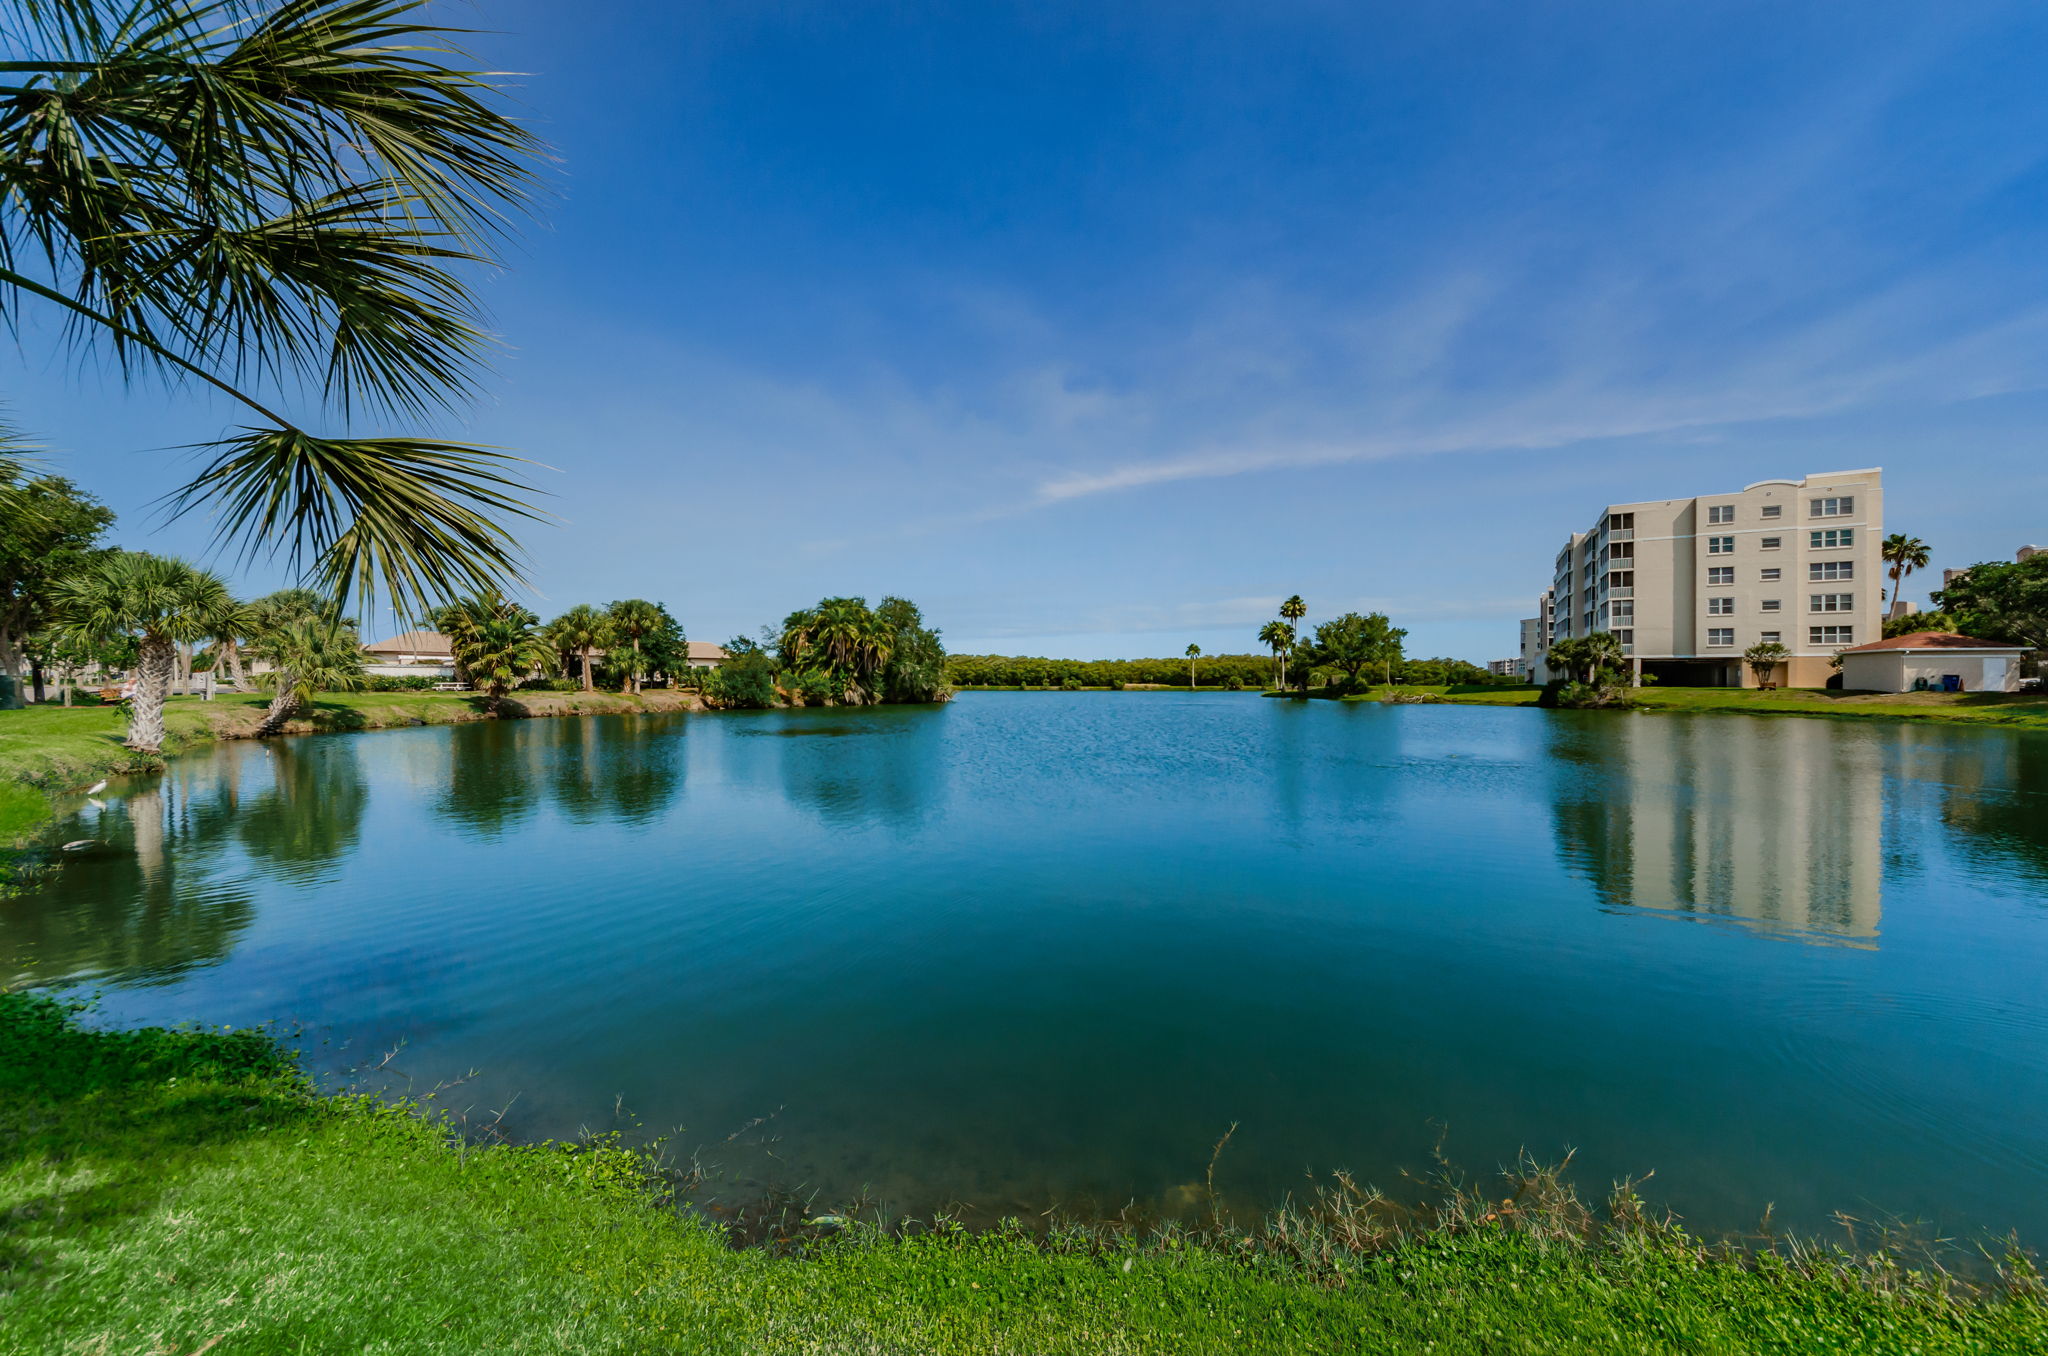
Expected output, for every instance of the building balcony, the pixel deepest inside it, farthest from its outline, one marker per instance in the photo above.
(1621, 591)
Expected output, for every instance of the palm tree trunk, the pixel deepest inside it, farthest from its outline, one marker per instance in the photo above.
(235, 675)
(588, 685)
(283, 706)
(633, 678)
(10, 660)
(153, 667)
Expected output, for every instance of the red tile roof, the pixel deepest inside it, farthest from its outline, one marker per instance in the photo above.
(1933, 640)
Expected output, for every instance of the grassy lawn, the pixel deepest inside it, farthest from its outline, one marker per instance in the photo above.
(185, 1191)
(2026, 710)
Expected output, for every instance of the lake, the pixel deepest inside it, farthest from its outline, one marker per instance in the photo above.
(1038, 948)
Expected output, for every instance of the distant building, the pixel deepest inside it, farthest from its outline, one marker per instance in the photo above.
(414, 654)
(1687, 585)
(705, 655)
(1536, 638)
(1505, 668)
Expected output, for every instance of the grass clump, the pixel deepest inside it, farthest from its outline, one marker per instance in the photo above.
(179, 1191)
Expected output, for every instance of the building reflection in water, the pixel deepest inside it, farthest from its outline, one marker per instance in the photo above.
(1776, 825)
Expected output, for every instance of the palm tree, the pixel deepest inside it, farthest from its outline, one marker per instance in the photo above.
(634, 620)
(1586, 657)
(846, 637)
(159, 601)
(1277, 636)
(495, 641)
(1194, 652)
(309, 655)
(1904, 554)
(296, 192)
(581, 633)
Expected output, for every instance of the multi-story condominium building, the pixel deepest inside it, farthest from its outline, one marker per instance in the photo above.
(1688, 585)
(1505, 668)
(1536, 638)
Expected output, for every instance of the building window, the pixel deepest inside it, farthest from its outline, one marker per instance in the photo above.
(1724, 546)
(1623, 611)
(1833, 538)
(1720, 574)
(1831, 569)
(1772, 637)
(1774, 510)
(1720, 635)
(1771, 575)
(1721, 513)
(1617, 522)
(1627, 638)
(1842, 507)
(1831, 635)
(1770, 543)
(1621, 550)
(1770, 604)
(1622, 579)
(1720, 607)
(1834, 602)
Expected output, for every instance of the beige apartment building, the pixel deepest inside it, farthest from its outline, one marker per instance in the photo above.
(1688, 585)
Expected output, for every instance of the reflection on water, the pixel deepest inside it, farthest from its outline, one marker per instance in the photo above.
(1046, 947)
(1771, 823)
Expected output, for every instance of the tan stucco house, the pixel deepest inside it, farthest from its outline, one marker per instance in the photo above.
(1940, 660)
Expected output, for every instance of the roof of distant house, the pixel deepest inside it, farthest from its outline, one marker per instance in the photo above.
(413, 642)
(704, 649)
(1931, 640)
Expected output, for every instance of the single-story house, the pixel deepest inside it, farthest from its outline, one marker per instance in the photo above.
(705, 655)
(422, 654)
(1939, 660)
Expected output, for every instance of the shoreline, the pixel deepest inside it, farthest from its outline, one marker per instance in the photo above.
(232, 1203)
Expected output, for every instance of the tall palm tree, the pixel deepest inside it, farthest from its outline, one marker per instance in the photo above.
(1194, 652)
(633, 621)
(157, 600)
(1277, 636)
(846, 638)
(495, 641)
(582, 632)
(1904, 554)
(284, 193)
(309, 655)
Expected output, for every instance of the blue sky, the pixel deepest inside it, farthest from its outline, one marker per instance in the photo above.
(1097, 330)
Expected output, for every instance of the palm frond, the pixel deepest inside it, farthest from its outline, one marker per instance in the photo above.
(416, 519)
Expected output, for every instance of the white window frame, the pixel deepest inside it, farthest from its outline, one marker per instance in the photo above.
(1771, 575)
(1720, 546)
(1774, 510)
(1770, 543)
(1718, 514)
(1829, 571)
(1718, 636)
(1720, 607)
(1771, 604)
(1832, 539)
(1720, 574)
(1833, 506)
(1831, 602)
(1818, 635)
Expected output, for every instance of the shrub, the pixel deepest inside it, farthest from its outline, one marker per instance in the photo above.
(551, 685)
(1070, 684)
(814, 688)
(393, 683)
(745, 681)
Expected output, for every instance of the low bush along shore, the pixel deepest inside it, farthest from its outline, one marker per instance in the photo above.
(188, 1191)
(1977, 708)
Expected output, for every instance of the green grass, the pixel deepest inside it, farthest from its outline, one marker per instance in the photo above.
(187, 1191)
(2026, 711)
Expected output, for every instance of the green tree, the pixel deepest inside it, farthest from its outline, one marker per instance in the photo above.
(1352, 641)
(159, 601)
(1193, 653)
(1904, 554)
(916, 668)
(1277, 636)
(299, 192)
(1918, 621)
(1764, 657)
(633, 625)
(745, 680)
(48, 529)
(581, 633)
(309, 655)
(496, 642)
(2001, 600)
(1594, 659)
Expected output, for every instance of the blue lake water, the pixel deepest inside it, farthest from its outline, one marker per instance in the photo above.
(1037, 948)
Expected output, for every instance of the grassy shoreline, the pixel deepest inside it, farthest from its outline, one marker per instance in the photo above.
(182, 1191)
(2025, 711)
